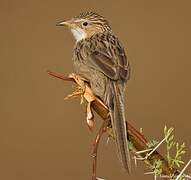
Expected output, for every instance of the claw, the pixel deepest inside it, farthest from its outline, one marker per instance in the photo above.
(79, 80)
(76, 93)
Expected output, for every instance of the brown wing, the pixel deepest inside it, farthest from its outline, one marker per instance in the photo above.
(109, 57)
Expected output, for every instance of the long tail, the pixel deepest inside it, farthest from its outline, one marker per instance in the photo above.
(119, 126)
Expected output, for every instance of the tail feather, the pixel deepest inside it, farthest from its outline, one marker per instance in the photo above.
(117, 114)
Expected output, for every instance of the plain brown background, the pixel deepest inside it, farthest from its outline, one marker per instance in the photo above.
(43, 137)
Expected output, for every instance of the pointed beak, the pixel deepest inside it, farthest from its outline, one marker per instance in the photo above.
(62, 23)
(65, 23)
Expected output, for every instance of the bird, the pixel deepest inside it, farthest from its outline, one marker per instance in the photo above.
(100, 58)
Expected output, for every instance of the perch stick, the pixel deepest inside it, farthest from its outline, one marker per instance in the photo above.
(137, 139)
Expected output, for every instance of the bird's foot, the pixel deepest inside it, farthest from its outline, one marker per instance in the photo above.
(85, 92)
(78, 79)
(80, 90)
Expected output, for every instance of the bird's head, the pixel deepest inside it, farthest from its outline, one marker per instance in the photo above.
(86, 25)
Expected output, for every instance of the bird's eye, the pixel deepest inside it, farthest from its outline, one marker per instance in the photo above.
(85, 23)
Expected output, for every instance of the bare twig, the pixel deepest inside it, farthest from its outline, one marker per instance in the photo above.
(95, 147)
(138, 140)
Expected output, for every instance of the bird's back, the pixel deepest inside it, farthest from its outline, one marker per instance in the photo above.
(108, 56)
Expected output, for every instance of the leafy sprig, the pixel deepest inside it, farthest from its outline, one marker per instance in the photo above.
(175, 161)
(157, 167)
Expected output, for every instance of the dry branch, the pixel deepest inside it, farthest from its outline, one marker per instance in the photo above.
(139, 142)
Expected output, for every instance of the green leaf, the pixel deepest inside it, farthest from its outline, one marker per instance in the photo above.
(173, 161)
(183, 152)
(171, 138)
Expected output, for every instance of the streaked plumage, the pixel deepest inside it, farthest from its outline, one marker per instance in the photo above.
(100, 58)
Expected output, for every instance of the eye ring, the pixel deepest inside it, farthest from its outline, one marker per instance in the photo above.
(85, 23)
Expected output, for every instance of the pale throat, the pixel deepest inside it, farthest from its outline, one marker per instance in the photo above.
(79, 34)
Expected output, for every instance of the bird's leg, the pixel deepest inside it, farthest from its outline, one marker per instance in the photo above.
(85, 92)
(97, 139)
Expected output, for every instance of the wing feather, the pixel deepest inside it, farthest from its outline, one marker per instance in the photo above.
(109, 57)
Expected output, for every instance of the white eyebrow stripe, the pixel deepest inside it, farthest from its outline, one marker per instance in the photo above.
(79, 20)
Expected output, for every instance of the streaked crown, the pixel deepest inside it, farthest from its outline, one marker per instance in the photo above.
(94, 19)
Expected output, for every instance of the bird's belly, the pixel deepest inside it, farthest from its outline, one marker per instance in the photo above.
(97, 80)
